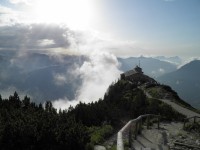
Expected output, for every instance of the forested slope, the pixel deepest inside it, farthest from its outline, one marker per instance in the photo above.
(27, 125)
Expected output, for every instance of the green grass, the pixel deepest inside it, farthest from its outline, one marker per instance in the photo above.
(98, 134)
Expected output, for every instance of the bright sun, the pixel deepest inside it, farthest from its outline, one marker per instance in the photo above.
(75, 13)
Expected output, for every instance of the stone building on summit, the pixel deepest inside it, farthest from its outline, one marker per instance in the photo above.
(132, 73)
(137, 76)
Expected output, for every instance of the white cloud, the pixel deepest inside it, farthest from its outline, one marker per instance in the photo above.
(60, 79)
(45, 42)
(35, 36)
(187, 60)
(61, 38)
(97, 74)
(64, 103)
(27, 2)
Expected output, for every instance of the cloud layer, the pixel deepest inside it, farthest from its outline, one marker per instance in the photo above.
(97, 72)
(34, 36)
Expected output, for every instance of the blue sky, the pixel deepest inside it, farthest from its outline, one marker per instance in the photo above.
(161, 25)
(133, 27)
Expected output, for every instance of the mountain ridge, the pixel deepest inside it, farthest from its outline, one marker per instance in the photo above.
(185, 81)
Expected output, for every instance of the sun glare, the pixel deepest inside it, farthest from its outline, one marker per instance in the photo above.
(74, 13)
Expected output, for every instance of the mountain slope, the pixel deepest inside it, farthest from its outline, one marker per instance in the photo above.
(186, 82)
(151, 66)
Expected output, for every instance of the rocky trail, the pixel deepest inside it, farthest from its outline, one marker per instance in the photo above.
(180, 109)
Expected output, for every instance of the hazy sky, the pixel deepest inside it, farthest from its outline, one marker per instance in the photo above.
(160, 25)
(123, 27)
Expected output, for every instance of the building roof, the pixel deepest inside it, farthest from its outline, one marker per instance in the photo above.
(133, 71)
(130, 72)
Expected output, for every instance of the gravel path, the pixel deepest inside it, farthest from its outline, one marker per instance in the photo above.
(175, 106)
(180, 109)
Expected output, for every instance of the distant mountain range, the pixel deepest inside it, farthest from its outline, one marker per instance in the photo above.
(41, 76)
(151, 66)
(186, 81)
(174, 60)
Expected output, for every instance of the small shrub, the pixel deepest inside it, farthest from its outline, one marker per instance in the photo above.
(126, 144)
(98, 134)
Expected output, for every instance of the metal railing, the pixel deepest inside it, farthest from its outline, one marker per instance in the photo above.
(137, 124)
